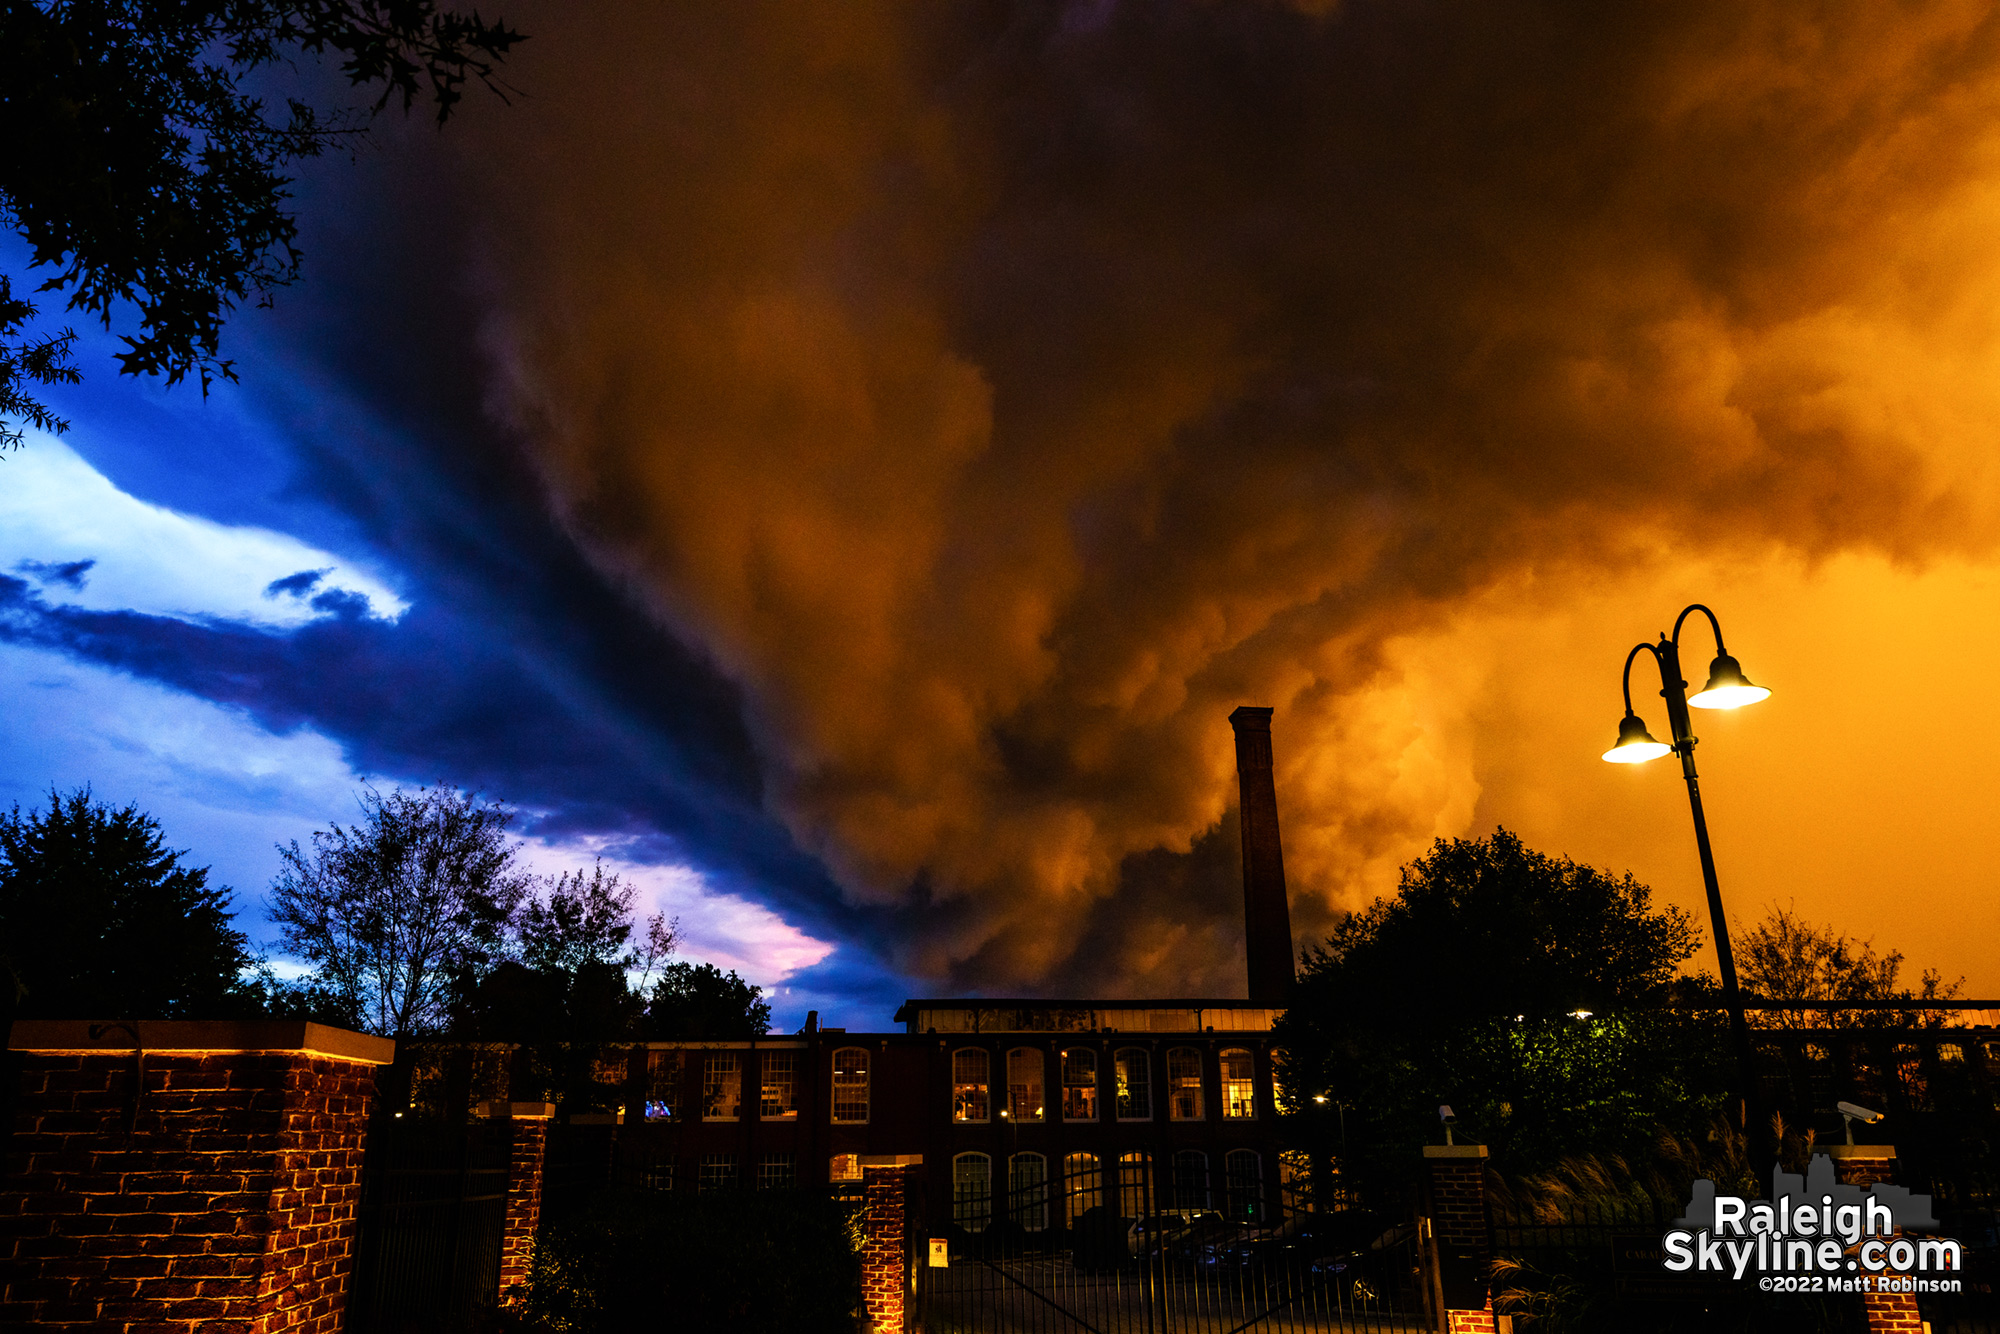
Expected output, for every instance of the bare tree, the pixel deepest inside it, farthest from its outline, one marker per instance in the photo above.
(1785, 957)
(391, 911)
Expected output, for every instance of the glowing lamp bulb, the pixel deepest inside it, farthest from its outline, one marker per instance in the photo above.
(1635, 743)
(1727, 687)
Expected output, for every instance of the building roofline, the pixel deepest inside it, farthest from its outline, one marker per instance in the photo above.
(1078, 1003)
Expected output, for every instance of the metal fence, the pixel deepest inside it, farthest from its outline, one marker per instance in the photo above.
(432, 1213)
(1110, 1250)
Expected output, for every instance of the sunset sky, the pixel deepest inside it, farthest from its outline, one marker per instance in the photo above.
(843, 464)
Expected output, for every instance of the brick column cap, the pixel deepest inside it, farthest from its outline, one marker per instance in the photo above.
(518, 1111)
(892, 1160)
(1455, 1151)
(200, 1035)
(1864, 1151)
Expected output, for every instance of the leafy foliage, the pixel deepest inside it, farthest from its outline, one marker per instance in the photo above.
(1786, 957)
(734, 1260)
(699, 1001)
(1519, 988)
(390, 911)
(100, 919)
(142, 172)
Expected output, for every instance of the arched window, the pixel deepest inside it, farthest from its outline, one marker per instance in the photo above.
(1028, 1191)
(1191, 1179)
(1243, 1186)
(1184, 1101)
(1024, 1084)
(972, 1191)
(850, 1086)
(1239, 1085)
(1134, 1073)
(1079, 1077)
(1083, 1186)
(1135, 1186)
(968, 1084)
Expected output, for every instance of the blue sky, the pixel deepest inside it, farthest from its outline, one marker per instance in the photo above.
(194, 621)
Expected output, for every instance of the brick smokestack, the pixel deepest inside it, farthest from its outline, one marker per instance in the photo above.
(1267, 915)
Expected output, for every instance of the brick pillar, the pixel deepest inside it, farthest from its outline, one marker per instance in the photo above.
(885, 1184)
(172, 1175)
(1864, 1165)
(1464, 1241)
(528, 1142)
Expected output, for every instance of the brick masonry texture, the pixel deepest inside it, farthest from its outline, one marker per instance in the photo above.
(1887, 1312)
(217, 1192)
(524, 1205)
(882, 1263)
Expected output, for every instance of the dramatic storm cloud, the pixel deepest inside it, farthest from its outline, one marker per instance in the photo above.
(861, 454)
(1001, 394)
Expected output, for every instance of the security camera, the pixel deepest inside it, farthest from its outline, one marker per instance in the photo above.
(1852, 1112)
(1445, 1115)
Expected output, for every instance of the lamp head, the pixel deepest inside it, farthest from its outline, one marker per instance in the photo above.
(1727, 687)
(1635, 743)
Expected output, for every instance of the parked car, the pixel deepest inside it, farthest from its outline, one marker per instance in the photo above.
(1169, 1230)
(1338, 1248)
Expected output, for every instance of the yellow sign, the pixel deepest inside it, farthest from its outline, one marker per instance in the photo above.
(940, 1253)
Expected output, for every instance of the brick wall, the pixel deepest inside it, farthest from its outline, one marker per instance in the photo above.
(1864, 1165)
(221, 1197)
(884, 1276)
(1457, 1207)
(527, 1152)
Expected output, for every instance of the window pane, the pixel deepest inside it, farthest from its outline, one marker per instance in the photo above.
(850, 1085)
(718, 1172)
(776, 1171)
(1083, 1185)
(721, 1085)
(1245, 1186)
(1239, 1088)
(968, 1085)
(972, 1191)
(1079, 1074)
(1028, 1191)
(1184, 1084)
(1024, 1084)
(1190, 1180)
(1135, 1085)
(781, 1083)
(844, 1167)
(1135, 1186)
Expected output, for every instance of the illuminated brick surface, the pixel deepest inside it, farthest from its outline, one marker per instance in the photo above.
(229, 1206)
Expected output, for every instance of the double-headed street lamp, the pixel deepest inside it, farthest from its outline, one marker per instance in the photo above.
(1727, 688)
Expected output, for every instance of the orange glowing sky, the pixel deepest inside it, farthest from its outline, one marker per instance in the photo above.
(1000, 395)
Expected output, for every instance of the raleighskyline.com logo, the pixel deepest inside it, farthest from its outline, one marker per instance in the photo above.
(1820, 1235)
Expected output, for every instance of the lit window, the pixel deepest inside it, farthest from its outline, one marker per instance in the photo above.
(721, 1085)
(663, 1081)
(844, 1167)
(1028, 1191)
(1295, 1181)
(1134, 1073)
(781, 1084)
(1190, 1179)
(968, 1085)
(1950, 1051)
(776, 1171)
(1184, 1084)
(1083, 1186)
(610, 1067)
(1243, 1186)
(1024, 1084)
(972, 1191)
(850, 1086)
(1135, 1186)
(1239, 1085)
(718, 1172)
(1079, 1074)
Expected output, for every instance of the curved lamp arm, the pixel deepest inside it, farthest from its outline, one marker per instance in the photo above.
(1636, 649)
(1712, 622)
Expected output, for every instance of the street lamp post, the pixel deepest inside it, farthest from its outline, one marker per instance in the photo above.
(1727, 688)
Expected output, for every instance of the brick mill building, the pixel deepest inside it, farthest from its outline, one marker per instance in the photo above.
(1036, 1108)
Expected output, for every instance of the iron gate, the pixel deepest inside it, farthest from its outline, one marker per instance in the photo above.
(1106, 1257)
(433, 1210)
